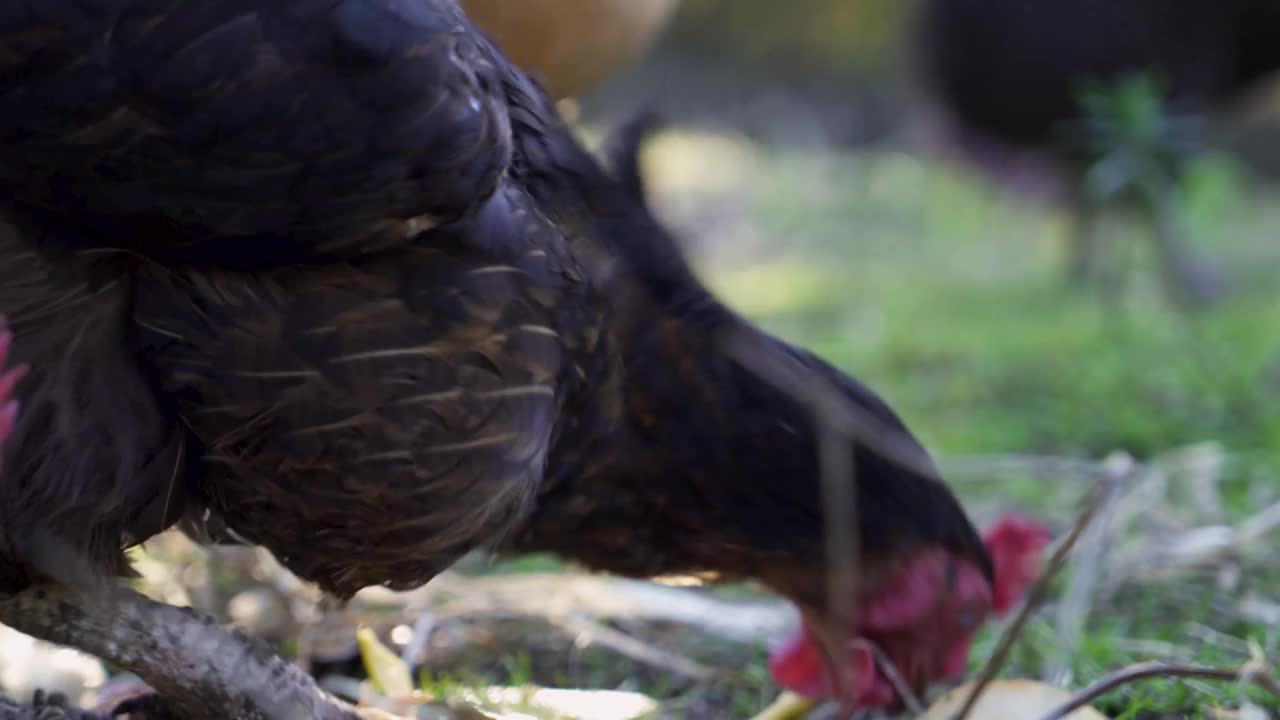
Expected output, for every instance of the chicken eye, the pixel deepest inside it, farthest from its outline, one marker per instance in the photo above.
(967, 619)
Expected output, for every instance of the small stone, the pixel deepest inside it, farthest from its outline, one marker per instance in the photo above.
(259, 612)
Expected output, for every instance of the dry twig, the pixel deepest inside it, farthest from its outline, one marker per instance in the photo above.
(222, 674)
(837, 421)
(853, 422)
(1036, 596)
(900, 686)
(1081, 587)
(635, 648)
(1252, 671)
(552, 595)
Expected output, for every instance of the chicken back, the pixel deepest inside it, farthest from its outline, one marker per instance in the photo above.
(266, 130)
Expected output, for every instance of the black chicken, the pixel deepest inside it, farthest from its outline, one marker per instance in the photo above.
(1014, 73)
(330, 276)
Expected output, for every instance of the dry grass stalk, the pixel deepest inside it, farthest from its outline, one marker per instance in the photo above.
(1039, 591)
(1082, 584)
(635, 648)
(1251, 672)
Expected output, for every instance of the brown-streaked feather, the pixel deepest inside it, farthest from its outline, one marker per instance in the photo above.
(370, 421)
(246, 130)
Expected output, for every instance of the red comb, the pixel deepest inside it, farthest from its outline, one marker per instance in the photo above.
(1016, 544)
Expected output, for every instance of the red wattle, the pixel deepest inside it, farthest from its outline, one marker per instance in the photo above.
(797, 666)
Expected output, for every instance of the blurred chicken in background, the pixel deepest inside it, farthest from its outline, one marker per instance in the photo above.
(1112, 93)
(572, 46)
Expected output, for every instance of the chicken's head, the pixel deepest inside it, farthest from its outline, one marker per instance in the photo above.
(908, 576)
(920, 612)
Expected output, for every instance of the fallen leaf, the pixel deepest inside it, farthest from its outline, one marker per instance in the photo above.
(1015, 699)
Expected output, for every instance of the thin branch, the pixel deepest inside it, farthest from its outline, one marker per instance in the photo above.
(634, 648)
(990, 467)
(1250, 672)
(1039, 591)
(199, 668)
(834, 416)
(1082, 581)
(546, 596)
(415, 651)
(885, 663)
(787, 375)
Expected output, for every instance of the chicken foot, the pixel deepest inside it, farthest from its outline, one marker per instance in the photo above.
(200, 669)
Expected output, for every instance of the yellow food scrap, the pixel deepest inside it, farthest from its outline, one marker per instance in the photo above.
(387, 672)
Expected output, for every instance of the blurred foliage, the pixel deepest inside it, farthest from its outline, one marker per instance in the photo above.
(1136, 142)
